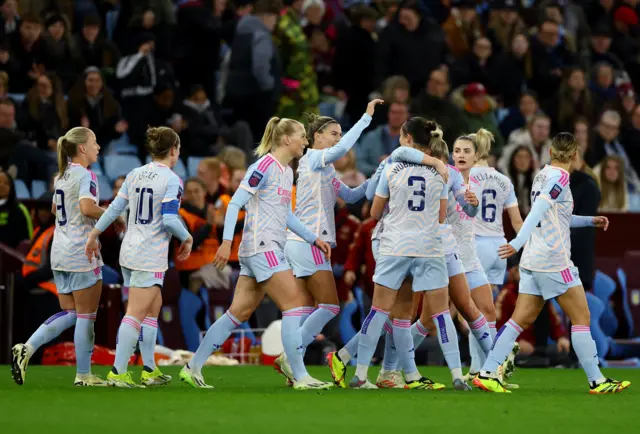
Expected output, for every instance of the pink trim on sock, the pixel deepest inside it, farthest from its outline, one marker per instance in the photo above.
(580, 329)
(515, 326)
(402, 323)
(388, 328)
(333, 308)
(89, 316)
(307, 310)
(133, 323)
(421, 329)
(150, 322)
(439, 313)
(492, 324)
(233, 319)
(296, 311)
(478, 323)
(380, 311)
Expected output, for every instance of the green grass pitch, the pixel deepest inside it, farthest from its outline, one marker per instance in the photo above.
(250, 399)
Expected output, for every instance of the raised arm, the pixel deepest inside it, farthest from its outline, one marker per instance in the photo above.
(353, 195)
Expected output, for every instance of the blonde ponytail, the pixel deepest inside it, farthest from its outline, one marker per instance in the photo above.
(68, 146)
(483, 140)
(276, 128)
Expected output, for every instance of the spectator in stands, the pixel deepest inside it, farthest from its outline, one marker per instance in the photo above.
(462, 27)
(607, 143)
(157, 17)
(37, 268)
(321, 33)
(95, 49)
(299, 79)
(521, 171)
(586, 197)
(599, 48)
(354, 60)
(625, 42)
(93, 106)
(15, 221)
(205, 130)
(478, 66)
(478, 111)
(43, 114)
(347, 227)
(515, 69)
(504, 24)
(602, 85)
(550, 57)
(610, 173)
(164, 110)
(209, 171)
(574, 99)
(27, 49)
(432, 103)
(197, 44)
(581, 132)
(231, 159)
(8, 64)
(137, 78)
(9, 18)
(360, 263)
(631, 134)
(347, 171)
(403, 43)
(624, 103)
(117, 183)
(253, 83)
(519, 116)
(535, 136)
(236, 177)
(394, 89)
(378, 144)
(62, 55)
(4, 85)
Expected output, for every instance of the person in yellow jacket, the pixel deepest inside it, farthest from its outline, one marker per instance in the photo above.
(36, 269)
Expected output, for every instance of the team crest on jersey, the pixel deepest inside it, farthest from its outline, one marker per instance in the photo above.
(255, 178)
(555, 191)
(93, 189)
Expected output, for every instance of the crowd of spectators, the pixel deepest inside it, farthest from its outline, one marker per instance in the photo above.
(216, 70)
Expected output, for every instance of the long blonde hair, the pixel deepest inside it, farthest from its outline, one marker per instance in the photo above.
(68, 146)
(482, 140)
(617, 189)
(273, 133)
(563, 147)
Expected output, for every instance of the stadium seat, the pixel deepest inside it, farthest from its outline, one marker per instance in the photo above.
(179, 168)
(192, 165)
(38, 188)
(22, 192)
(106, 192)
(603, 287)
(121, 146)
(622, 278)
(596, 308)
(120, 165)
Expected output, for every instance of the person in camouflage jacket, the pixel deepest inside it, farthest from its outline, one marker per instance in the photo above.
(299, 78)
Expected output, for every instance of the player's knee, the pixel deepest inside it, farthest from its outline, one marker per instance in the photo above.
(241, 315)
(581, 318)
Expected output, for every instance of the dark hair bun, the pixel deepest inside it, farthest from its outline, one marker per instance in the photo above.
(154, 134)
(432, 129)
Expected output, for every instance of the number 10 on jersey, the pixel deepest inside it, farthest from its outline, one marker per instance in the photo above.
(144, 213)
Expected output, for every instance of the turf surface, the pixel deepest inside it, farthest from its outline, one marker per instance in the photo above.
(252, 399)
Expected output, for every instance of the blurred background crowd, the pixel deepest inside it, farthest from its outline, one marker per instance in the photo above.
(216, 70)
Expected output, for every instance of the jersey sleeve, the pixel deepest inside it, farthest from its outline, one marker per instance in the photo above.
(255, 178)
(375, 178)
(88, 186)
(332, 154)
(445, 192)
(383, 185)
(457, 183)
(124, 188)
(555, 187)
(512, 200)
(171, 199)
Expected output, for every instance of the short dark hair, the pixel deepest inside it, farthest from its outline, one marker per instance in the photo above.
(30, 17)
(263, 7)
(92, 20)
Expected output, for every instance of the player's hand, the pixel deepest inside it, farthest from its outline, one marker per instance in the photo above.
(506, 251)
(120, 225)
(601, 222)
(325, 247)
(371, 107)
(563, 345)
(222, 255)
(92, 248)
(443, 170)
(185, 249)
(349, 277)
(470, 197)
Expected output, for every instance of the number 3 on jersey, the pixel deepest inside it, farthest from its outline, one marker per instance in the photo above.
(534, 196)
(488, 208)
(144, 213)
(62, 219)
(421, 185)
